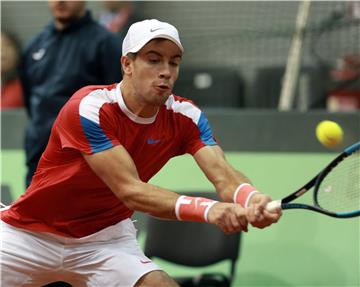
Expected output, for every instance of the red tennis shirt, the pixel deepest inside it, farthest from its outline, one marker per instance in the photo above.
(65, 196)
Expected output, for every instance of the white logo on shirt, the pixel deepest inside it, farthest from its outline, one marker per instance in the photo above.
(39, 54)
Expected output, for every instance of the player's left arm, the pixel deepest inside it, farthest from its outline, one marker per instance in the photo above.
(232, 185)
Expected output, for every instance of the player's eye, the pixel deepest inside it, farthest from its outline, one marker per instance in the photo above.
(174, 64)
(154, 60)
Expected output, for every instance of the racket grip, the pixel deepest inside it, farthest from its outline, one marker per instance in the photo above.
(273, 205)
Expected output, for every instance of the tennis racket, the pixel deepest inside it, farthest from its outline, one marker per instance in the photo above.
(336, 189)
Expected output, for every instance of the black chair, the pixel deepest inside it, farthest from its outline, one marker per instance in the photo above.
(193, 244)
(211, 87)
(140, 221)
(6, 195)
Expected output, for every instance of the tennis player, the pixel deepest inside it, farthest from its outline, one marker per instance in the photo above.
(73, 222)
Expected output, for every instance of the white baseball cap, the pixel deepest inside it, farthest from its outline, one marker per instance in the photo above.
(140, 33)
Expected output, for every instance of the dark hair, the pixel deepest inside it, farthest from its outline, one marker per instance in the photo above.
(131, 55)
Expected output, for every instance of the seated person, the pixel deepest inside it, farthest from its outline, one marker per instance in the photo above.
(11, 90)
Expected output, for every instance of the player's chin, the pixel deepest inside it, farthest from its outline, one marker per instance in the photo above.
(161, 98)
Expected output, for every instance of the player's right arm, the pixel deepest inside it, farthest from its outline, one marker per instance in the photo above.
(118, 171)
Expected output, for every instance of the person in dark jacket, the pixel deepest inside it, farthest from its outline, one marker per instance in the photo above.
(117, 16)
(71, 52)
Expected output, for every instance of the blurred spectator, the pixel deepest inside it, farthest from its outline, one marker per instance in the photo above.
(11, 91)
(345, 95)
(118, 16)
(71, 52)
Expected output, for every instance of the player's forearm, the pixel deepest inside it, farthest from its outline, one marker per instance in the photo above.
(166, 204)
(227, 183)
(222, 175)
(148, 198)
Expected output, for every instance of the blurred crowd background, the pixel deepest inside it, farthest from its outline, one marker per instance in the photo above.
(235, 52)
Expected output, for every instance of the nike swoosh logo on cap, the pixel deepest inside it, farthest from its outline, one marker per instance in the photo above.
(153, 30)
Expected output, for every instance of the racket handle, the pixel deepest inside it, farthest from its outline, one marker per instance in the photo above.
(273, 205)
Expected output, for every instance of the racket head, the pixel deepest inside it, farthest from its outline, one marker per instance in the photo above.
(337, 188)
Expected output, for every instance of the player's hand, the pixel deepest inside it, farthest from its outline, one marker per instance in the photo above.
(257, 214)
(229, 217)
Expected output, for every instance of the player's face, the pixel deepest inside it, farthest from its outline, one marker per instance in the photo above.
(155, 70)
(66, 11)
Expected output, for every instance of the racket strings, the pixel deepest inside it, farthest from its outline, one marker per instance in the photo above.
(340, 189)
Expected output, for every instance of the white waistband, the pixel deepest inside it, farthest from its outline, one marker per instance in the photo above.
(124, 228)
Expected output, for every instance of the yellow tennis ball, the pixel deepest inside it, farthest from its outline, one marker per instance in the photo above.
(329, 133)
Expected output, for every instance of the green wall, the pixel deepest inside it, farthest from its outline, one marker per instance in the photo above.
(303, 249)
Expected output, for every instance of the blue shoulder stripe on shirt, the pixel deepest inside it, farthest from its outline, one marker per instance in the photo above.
(95, 135)
(205, 130)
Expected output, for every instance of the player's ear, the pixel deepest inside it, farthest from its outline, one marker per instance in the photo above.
(126, 64)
